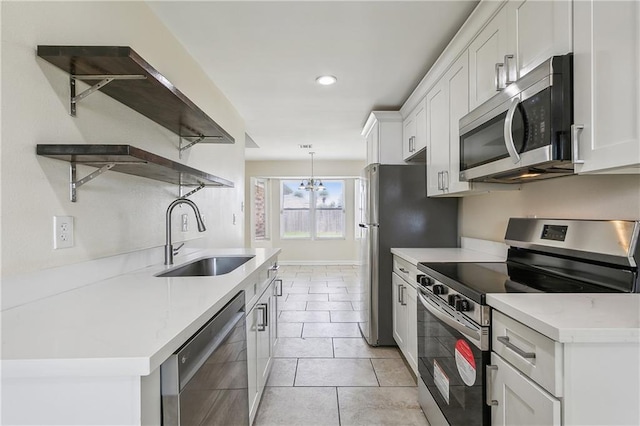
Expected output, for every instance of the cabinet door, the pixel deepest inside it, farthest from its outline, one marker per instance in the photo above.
(373, 145)
(485, 51)
(276, 292)
(411, 299)
(458, 87)
(606, 85)
(519, 400)
(399, 312)
(252, 361)
(536, 31)
(264, 347)
(420, 114)
(408, 135)
(438, 137)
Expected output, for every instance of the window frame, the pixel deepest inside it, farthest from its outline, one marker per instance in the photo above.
(312, 209)
(267, 208)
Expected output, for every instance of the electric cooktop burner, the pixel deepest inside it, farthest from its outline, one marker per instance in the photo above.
(475, 280)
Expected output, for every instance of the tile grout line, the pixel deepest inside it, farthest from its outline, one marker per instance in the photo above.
(374, 372)
(295, 373)
(338, 403)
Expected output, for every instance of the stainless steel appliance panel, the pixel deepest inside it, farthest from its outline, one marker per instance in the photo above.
(524, 132)
(398, 215)
(205, 382)
(452, 357)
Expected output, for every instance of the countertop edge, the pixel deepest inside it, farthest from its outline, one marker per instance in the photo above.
(129, 365)
(568, 332)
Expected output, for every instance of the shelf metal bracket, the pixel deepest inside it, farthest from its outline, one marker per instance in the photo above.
(75, 184)
(194, 142)
(190, 193)
(104, 80)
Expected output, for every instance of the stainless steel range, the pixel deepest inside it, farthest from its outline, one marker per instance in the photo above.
(545, 255)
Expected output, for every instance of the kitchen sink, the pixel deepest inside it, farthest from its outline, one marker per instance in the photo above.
(209, 266)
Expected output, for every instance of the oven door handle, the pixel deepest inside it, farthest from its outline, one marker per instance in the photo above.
(508, 130)
(473, 335)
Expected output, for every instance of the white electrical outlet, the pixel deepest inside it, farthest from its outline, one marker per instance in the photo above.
(62, 232)
(185, 222)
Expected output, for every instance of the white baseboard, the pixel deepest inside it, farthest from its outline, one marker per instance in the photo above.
(319, 262)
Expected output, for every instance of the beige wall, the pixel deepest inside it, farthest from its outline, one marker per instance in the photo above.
(115, 213)
(579, 197)
(306, 251)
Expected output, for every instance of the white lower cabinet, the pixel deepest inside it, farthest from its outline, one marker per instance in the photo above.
(405, 310)
(262, 336)
(399, 312)
(534, 380)
(518, 400)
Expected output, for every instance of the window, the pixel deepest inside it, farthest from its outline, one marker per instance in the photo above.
(313, 214)
(261, 209)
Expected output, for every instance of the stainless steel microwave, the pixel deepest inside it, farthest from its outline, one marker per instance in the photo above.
(524, 132)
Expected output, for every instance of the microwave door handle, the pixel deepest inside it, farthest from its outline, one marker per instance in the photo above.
(508, 131)
(471, 334)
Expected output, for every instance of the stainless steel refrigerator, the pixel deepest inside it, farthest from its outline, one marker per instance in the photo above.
(395, 213)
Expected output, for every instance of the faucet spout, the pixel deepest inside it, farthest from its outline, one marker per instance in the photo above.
(168, 247)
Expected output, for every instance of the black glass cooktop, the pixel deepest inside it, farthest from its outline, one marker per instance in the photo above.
(475, 280)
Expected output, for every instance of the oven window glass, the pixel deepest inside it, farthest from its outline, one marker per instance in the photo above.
(452, 368)
(486, 143)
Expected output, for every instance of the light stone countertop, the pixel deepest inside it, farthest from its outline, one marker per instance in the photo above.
(126, 325)
(417, 255)
(575, 318)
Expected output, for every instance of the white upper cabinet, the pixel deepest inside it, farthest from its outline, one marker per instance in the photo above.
(457, 79)
(414, 133)
(383, 134)
(607, 86)
(536, 31)
(437, 137)
(522, 35)
(486, 60)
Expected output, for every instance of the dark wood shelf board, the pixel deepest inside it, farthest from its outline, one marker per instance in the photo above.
(133, 161)
(154, 97)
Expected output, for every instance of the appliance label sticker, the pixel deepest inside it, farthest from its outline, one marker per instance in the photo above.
(465, 362)
(441, 380)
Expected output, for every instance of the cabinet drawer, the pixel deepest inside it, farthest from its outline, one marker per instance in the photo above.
(534, 354)
(517, 399)
(405, 270)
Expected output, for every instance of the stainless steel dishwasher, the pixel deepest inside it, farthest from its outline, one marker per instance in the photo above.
(205, 381)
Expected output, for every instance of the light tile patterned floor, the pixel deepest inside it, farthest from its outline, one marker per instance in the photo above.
(324, 373)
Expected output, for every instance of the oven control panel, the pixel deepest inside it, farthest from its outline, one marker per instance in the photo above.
(458, 303)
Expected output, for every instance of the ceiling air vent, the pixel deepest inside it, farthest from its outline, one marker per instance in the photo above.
(309, 146)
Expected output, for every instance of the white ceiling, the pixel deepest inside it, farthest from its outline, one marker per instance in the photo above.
(266, 55)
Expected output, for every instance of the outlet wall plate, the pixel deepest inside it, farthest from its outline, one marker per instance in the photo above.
(185, 222)
(62, 232)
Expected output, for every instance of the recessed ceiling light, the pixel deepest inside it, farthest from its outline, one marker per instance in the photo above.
(326, 80)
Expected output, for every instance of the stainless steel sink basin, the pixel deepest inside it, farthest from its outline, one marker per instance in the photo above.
(209, 266)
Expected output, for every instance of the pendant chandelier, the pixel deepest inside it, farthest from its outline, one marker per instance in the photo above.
(312, 184)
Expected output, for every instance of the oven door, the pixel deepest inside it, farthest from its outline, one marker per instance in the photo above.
(452, 355)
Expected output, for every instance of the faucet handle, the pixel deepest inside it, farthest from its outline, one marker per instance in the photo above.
(177, 249)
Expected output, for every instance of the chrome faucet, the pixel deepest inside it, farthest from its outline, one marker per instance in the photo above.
(168, 247)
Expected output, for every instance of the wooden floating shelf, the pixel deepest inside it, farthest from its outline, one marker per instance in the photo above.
(130, 160)
(135, 83)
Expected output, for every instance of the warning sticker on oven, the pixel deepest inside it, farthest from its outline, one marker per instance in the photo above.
(441, 380)
(465, 362)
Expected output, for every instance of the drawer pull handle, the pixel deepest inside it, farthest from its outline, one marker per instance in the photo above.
(488, 399)
(505, 340)
(404, 270)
